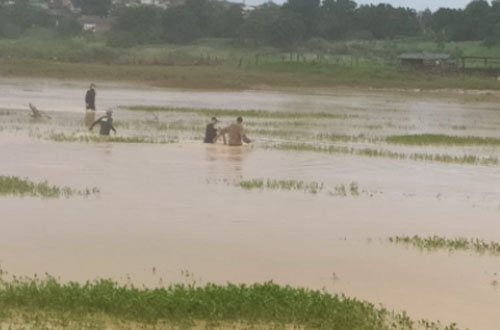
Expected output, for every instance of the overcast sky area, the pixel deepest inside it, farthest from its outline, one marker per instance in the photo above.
(415, 4)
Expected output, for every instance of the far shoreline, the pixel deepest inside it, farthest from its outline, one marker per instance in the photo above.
(481, 95)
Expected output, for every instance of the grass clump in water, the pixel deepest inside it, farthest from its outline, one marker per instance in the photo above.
(61, 137)
(266, 304)
(243, 113)
(308, 187)
(14, 186)
(442, 140)
(369, 152)
(436, 243)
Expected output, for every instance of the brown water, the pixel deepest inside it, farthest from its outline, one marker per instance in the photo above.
(166, 207)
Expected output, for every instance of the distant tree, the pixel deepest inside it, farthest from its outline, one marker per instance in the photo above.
(476, 21)
(94, 7)
(68, 27)
(385, 21)
(179, 25)
(307, 12)
(142, 24)
(445, 22)
(17, 17)
(225, 20)
(201, 9)
(337, 18)
(259, 24)
(425, 20)
(287, 30)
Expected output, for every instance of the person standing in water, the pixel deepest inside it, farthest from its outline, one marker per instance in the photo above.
(106, 123)
(90, 98)
(90, 105)
(211, 131)
(235, 132)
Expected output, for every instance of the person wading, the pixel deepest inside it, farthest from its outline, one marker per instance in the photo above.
(211, 131)
(235, 132)
(106, 123)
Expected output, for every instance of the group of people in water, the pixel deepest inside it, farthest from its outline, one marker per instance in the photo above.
(105, 122)
(235, 132)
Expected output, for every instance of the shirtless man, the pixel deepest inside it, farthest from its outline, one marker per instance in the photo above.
(235, 132)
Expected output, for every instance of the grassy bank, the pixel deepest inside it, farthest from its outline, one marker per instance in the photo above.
(272, 75)
(223, 64)
(258, 306)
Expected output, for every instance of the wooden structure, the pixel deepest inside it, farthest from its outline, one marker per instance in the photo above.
(480, 65)
(425, 60)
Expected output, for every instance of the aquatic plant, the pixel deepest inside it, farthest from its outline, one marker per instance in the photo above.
(340, 190)
(369, 152)
(243, 113)
(436, 242)
(354, 189)
(442, 140)
(15, 186)
(62, 137)
(308, 187)
(186, 305)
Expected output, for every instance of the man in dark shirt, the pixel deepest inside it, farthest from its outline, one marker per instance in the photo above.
(211, 131)
(90, 98)
(106, 123)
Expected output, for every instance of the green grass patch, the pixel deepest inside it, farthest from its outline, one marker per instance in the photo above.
(442, 140)
(438, 243)
(14, 186)
(368, 152)
(243, 113)
(187, 305)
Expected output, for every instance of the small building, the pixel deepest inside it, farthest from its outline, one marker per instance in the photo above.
(424, 60)
(95, 24)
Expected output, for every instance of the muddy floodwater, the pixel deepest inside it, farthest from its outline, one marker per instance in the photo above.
(173, 207)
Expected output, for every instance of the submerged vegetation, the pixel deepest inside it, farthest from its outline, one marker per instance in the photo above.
(244, 113)
(370, 152)
(438, 243)
(308, 187)
(61, 137)
(14, 186)
(267, 304)
(442, 140)
(313, 187)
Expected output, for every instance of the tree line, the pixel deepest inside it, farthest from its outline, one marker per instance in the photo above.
(283, 26)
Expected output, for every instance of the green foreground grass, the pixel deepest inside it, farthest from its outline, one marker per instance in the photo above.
(266, 305)
(14, 186)
(438, 243)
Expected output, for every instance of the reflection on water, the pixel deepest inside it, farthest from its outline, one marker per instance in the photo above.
(157, 209)
(235, 156)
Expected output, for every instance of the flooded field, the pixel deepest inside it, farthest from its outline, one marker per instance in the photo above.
(169, 204)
